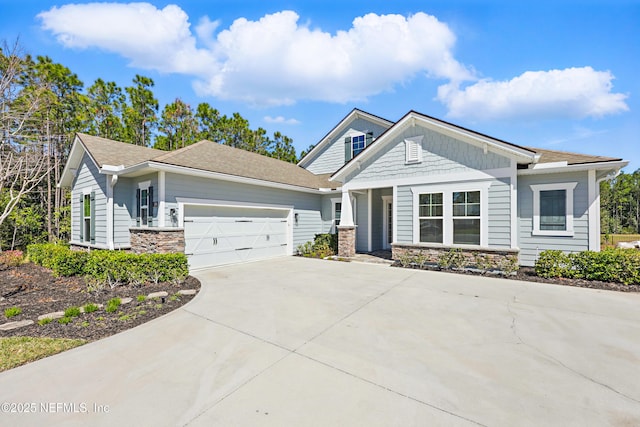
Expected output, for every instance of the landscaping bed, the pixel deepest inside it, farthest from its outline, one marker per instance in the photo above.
(35, 291)
(529, 274)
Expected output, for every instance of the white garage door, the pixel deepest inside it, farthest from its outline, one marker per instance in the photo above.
(226, 235)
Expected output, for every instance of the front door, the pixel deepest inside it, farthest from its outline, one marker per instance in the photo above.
(387, 224)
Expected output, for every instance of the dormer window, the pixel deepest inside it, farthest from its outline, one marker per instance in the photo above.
(355, 144)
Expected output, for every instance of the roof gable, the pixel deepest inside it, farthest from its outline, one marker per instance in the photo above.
(340, 128)
(459, 133)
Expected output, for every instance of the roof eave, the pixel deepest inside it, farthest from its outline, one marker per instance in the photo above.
(605, 166)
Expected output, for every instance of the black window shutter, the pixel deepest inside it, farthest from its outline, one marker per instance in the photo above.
(347, 149)
(138, 207)
(150, 216)
(368, 139)
(93, 216)
(81, 218)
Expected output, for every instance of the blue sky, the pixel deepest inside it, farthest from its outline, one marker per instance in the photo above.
(552, 74)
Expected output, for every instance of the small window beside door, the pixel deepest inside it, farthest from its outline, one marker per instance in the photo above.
(144, 205)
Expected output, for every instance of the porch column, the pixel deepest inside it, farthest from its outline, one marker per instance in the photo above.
(346, 229)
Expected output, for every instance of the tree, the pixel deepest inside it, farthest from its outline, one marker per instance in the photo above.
(140, 114)
(178, 126)
(282, 148)
(106, 103)
(23, 163)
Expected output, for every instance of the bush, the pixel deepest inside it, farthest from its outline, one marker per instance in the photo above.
(59, 258)
(90, 308)
(72, 312)
(453, 259)
(11, 258)
(324, 245)
(112, 305)
(110, 267)
(12, 311)
(610, 265)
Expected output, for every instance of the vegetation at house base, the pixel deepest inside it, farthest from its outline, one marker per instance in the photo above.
(110, 268)
(323, 245)
(43, 104)
(609, 265)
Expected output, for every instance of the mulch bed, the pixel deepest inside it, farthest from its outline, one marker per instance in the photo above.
(528, 274)
(36, 291)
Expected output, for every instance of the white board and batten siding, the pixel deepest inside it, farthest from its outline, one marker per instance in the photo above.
(531, 245)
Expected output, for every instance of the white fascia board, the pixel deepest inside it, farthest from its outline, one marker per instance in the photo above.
(182, 170)
(612, 166)
(354, 114)
(449, 130)
(75, 157)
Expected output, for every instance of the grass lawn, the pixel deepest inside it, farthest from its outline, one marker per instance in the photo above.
(16, 351)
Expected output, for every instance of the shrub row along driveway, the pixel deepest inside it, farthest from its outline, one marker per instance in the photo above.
(306, 342)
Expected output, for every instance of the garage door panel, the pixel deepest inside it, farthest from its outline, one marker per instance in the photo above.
(222, 235)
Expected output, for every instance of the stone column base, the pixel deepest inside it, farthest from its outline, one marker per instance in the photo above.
(156, 240)
(346, 241)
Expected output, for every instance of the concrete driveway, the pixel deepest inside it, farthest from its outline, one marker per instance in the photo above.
(305, 342)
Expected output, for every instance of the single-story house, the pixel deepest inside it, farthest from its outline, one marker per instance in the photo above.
(419, 184)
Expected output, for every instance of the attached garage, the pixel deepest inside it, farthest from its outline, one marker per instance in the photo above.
(219, 235)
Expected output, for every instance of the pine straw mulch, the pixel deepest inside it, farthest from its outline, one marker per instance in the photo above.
(36, 291)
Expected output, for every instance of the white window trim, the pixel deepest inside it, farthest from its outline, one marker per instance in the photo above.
(364, 141)
(385, 221)
(536, 189)
(447, 217)
(414, 141)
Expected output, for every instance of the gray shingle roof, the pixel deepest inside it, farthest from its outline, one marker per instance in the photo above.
(213, 157)
(552, 156)
(207, 156)
(108, 152)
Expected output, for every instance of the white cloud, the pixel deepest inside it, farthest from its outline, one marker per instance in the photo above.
(280, 119)
(569, 93)
(150, 38)
(272, 61)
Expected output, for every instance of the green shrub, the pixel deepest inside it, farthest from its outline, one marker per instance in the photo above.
(609, 265)
(324, 245)
(553, 263)
(65, 320)
(483, 262)
(12, 311)
(90, 308)
(72, 312)
(453, 259)
(11, 258)
(59, 258)
(327, 240)
(45, 321)
(112, 305)
(509, 265)
(141, 298)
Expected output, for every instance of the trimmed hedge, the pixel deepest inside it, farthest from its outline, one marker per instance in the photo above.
(112, 267)
(609, 265)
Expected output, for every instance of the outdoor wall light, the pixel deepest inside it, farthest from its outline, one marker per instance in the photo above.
(295, 218)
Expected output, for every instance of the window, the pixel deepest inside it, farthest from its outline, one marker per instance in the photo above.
(413, 149)
(553, 209)
(87, 215)
(431, 217)
(144, 202)
(86, 218)
(354, 145)
(337, 211)
(466, 217)
(451, 213)
(357, 144)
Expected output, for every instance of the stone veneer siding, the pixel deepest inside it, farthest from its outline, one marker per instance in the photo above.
(155, 240)
(432, 253)
(346, 241)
